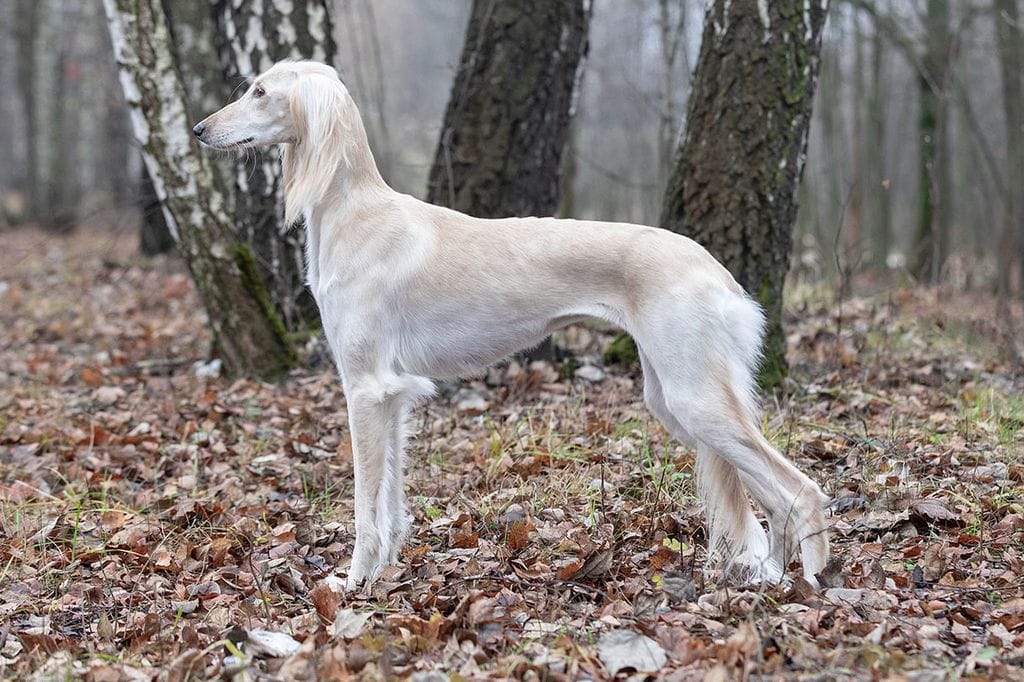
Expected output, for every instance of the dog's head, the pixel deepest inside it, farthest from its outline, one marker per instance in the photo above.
(302, 105)
(287, 104)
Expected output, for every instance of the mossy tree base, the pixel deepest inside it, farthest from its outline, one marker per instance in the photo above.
(622, 352)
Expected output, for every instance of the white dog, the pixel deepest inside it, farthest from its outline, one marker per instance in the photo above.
(409, 292)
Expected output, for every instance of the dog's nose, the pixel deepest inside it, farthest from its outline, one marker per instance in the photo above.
(199, 129)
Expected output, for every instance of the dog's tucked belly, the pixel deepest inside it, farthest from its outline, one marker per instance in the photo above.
(453, 348)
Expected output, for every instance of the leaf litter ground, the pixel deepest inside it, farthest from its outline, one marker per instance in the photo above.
(155, 524)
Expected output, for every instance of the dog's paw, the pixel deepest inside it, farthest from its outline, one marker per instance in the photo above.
(353, 584)
(750, 569)
(361, 580)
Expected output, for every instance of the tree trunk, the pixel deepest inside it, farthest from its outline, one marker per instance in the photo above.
(507, 122)
(877, 186)
(62, 190)
(259, 208)
(1011, 54)
(27, 19)
(247, 332)
(853, 240)
(932, 219)
(193, 32)
(832, 200)
(114, 161)
(735, 183)
(155, 235)
(672, 34)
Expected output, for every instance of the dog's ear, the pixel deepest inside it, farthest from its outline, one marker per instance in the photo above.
(318, 111)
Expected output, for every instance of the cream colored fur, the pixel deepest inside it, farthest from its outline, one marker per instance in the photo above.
(411, 292)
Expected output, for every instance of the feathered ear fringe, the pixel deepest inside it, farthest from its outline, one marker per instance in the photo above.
(317, 108)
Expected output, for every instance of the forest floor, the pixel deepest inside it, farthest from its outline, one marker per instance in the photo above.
(155, 524)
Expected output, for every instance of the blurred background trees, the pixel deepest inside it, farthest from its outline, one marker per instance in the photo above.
(914, 163)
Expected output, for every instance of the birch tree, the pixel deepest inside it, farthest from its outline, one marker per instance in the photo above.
(247, 332)
(253, 35)
(737, 169)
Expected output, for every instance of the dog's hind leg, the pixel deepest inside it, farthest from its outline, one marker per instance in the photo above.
(792, 501)
(734, 533)
(705, 363)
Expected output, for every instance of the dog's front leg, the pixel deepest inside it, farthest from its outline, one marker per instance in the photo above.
(370, 421)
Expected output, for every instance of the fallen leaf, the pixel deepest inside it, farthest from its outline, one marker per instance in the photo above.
(883, 519)
(518, 534)
(348, 624)
(108, 395)
(933, 563)
(462, 540)
(92, 378)
(273, 644)
(662, 557)
(628, 649)
(934, 509)
(570, 570)
(876, 599)
(325, 600)
(431, 629)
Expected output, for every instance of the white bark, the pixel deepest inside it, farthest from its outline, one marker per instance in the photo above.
(162, 128)
(246, 331)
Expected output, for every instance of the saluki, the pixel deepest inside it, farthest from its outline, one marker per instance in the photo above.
(410, 292)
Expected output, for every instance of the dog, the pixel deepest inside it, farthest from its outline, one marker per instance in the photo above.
(410, 292)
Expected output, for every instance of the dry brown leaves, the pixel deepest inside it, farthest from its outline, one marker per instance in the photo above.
(159, 525)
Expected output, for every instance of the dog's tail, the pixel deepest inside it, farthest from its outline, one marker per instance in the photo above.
(744, 328)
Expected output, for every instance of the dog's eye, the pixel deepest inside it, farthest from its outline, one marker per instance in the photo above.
(258, 92)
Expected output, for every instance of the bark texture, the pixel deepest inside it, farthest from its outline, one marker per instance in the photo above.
(248, 334)
(26, 30)
(1011, 54)
(935, 192)
(739, 164)
(254, 34)
(507, 123)
(876, 146)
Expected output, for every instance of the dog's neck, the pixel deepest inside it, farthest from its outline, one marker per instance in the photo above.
(355, 179)
(331, 156)
(358, 168)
